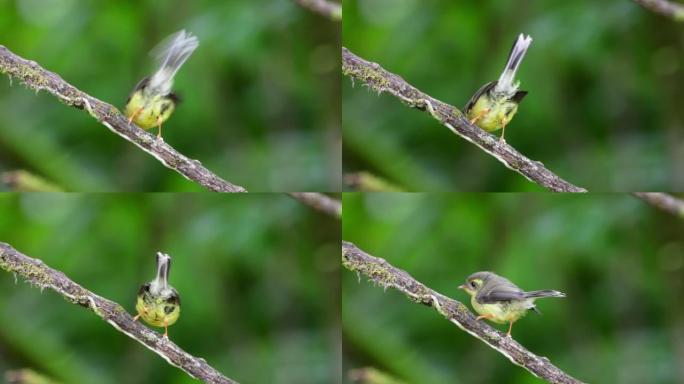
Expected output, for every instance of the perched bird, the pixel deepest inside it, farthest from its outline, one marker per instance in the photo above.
(493, 106)
(151, 102)
(495, 298)
(159, 303)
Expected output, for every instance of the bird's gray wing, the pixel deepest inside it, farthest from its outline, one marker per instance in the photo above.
(480, 92)
(494, 292)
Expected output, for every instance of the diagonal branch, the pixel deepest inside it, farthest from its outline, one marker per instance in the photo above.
(665, 202)
(37, 273)
(332, 11)
(319, 202)
(664, 7)
(381, 80)
(38, 78)
(383, 273)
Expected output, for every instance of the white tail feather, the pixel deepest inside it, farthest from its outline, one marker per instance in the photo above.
(171, 53)
(506, 84)
(161, 281)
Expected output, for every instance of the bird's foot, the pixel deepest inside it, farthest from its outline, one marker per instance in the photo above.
(134, 115)
(159, 125)
(477, 118)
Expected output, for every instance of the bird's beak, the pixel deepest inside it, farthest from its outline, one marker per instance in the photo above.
(462, 286)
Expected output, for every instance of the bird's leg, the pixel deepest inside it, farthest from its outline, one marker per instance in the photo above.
(487, 316)
(136, 317)
(134, 115)
(166, 329)
(480, 115)
(503, 132)
(510, 326)
(159, 124)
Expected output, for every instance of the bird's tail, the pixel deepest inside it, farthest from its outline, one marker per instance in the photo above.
(506, 84)
(162, 279)
(543, 293)
(171, 53)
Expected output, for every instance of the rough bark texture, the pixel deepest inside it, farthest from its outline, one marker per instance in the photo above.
(664, 7)
(384, 274)
(332, 11)
(320, 202)
(380, 80)
(663, 201)
(37, 273)
(36, 77)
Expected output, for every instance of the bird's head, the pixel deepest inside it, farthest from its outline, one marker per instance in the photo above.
(474, 283)
(471, 286)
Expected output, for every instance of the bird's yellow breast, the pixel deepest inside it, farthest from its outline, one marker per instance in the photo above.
(503, 312)
(493, 114)
(157, 312)
(149, 110)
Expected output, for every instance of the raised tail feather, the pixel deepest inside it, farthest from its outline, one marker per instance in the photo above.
(543, 293)
(172, 53)
(506, 83)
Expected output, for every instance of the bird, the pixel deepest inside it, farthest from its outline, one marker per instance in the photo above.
(497, 299)
(493, 106)
(158, 303)
(152, 102)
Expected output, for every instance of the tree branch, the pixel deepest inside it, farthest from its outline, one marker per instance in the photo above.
(664, 7)
(37, 273)
(36, 77)
(383, 273)
(667, 203)
(332, 11)
(380, 80)
(320, 202)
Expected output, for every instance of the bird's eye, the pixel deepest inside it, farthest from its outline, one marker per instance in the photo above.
(473, 284)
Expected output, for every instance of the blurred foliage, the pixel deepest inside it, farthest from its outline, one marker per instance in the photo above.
(604, 109)
(619, 260)
(258, 276)
(367, 182)
(371, 376)
(27, 376)
(261, 95)
(22, 181)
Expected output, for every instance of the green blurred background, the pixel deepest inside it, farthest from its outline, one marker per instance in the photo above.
(261, 95)
(258, 276)
(604, 109)
(619, 260)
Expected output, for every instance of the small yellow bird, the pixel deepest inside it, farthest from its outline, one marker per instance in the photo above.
(159, 303)
(493, 106)
(151, 102)
(495, 298)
